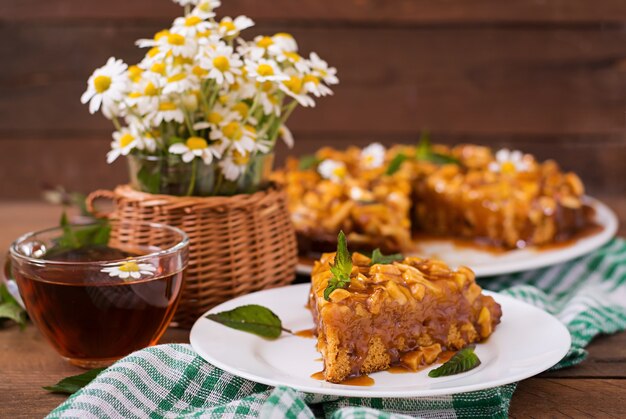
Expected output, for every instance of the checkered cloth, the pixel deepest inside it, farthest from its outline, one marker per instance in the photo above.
(588, 295)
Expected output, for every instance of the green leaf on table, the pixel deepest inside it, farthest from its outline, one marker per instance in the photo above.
(379, 258)
(396, 163)
(71, 385)
(462, 361)
(308, 162)
(425, 152)
(340, 268)
(251, 318)
(12, 311)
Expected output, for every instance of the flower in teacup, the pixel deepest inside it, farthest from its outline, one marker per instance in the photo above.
(222, 63)
(264, 70)
(106, 87)
(373, 155)
(313, 85)
(508, 161)
(332, 169)
(167, 111)
(294, 87)
(191, 25)
(234, 164)
(124, 141)
(321, 69)
(130, 270)
(192, 148)
(229, 28)
(205, 8)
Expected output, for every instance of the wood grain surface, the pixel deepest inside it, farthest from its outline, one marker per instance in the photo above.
(548, 77)
(594, 388)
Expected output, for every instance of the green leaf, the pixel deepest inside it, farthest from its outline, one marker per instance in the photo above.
(308, 162)
(11, 310)
(425, 152)
(379, 258)
(395, 164)
(462, 361)
(340, 268)
(77, 237)
(150, 180)
(251, 318)
(71, 385)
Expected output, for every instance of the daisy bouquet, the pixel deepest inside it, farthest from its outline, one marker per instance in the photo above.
(202, 111)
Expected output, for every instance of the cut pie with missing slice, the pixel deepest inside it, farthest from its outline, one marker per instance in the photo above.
(406, 312)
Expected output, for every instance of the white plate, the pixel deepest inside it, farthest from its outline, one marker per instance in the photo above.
(527, 342)
(487, 263)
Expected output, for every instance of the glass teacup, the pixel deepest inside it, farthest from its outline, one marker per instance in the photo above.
(98, 303)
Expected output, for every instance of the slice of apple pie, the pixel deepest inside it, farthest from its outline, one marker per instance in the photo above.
(405, 312)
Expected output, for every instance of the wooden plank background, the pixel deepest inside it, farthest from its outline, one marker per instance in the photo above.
(544, 76)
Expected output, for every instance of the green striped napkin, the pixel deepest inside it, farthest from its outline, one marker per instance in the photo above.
(588, 295)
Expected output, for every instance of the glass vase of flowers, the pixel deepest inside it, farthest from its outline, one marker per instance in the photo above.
(201, 113)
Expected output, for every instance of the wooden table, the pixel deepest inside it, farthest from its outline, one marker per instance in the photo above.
(597, 387)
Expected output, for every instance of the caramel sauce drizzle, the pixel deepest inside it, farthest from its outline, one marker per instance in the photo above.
(360, 381)
(305, 333)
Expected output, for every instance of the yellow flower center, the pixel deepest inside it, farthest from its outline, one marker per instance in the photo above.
(196, 143)
(180, 60)
(223, 99)
(293, 56)
(339, 171)
(310, 78)
(134, 95)
(227, 26)
(250, 129)
(161, 34)
(215, 118)
(102, 83)
(240, 159)
(265, 42)
(205, 6)
(152, 52)
(203, 34)
(265, 70)
(232, 130)
(158, 68)
(126, 139)
(199, 71)
(192, 21)
(242, 108)
(134, 73)
(508, 167)
(167, 106)
(176, 77)
(129, 267)
(221, 63)
(283, 35)
(150, 90)
(266, 86)
(175, 39)
(294, 84)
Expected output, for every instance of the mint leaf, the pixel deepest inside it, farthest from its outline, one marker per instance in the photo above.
(10, 308)
(80, 236)
(71, 385)
(425, 152)
(251, 318)
(379, 258)
(341, 267)
(307, 162)
(395, 164)
(462, 361)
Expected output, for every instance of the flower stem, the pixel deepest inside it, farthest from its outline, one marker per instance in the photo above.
(116, 122)
(218, 184)
(192, 182)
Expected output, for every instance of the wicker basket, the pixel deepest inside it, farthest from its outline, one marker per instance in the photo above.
(238, 244)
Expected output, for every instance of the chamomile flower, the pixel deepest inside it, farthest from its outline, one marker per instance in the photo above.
(295, 88)
(167, 111)
(322, 70)
(234, 164)
(217, 117)
(189, 26)
(313, 85)
(285, 42)
(170, 43)
(187, 2)
(106, 87)
(229, 28)
(332, 169)
(146, 96)
(205, 8)
(270, 102)
(179, 83)
(294, 59)
(192, 148)
(222, 64)
(264, 70)
(509, 162)
(373, 155)
(241, 137)
(131, 270)
(124, 141)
